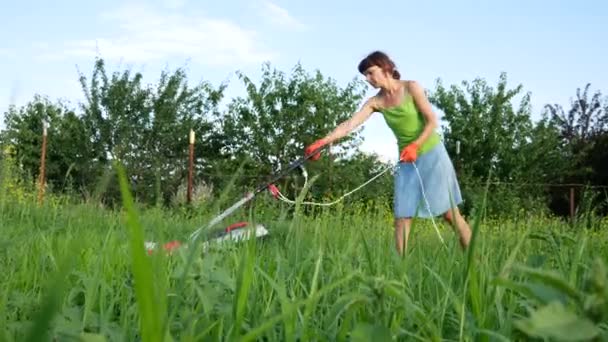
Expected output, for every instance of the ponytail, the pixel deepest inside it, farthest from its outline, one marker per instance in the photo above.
(396, 74)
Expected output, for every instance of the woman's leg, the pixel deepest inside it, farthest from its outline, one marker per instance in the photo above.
(401, 225)
(454, 218)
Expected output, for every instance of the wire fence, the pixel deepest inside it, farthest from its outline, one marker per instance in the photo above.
(263, 178)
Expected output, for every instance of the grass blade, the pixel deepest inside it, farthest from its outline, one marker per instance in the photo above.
(243, 287)
(151, 326)
(51, 303)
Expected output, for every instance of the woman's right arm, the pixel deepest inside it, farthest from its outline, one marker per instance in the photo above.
(355, 121)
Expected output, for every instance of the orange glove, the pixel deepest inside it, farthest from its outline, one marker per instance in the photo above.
(313, 147)
(409, 153)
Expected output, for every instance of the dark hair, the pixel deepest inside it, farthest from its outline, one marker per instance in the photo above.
(379, 59)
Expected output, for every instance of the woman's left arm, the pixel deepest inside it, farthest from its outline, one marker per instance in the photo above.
(424, 106)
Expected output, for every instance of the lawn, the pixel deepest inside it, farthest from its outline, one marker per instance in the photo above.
(80, 272)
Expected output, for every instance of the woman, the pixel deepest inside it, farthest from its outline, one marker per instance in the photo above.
(409, 115)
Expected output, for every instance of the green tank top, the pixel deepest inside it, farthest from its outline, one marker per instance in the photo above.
(407, 123)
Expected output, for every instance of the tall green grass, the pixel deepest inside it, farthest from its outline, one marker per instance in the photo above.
(77, 272)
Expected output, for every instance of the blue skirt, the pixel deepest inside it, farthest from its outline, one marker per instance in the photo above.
(439, 185)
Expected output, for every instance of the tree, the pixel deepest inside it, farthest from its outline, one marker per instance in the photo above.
(585, 121)
(545, 158)
(490, 129)
(68, 149)
(497, 137)
(281, 115)
(349, 173)
(177, 108)
(147, 129)
(583, 132)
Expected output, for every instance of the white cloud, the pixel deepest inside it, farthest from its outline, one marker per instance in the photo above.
(145, 34)
(280, 16)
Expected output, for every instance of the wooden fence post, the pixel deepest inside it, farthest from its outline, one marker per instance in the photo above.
(191, 166)
(457, 156)
(42, 178)
(572, 205)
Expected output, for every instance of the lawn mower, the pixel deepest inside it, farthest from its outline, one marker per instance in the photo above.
(241, 230)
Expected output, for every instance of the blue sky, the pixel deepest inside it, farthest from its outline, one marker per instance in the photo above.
(551, 47)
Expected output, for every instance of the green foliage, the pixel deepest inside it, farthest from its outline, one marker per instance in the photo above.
(281, 115)
(67, 152)
(585, 119)
(270, 127)
(13, 187)
(491, 131)
(583, 140)
(596, 159)
(334, 277)
(148, 288)
(341, 176)
(146, 128)
(558, 308)
(75, 271)
(500, 139)
(554, 321)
